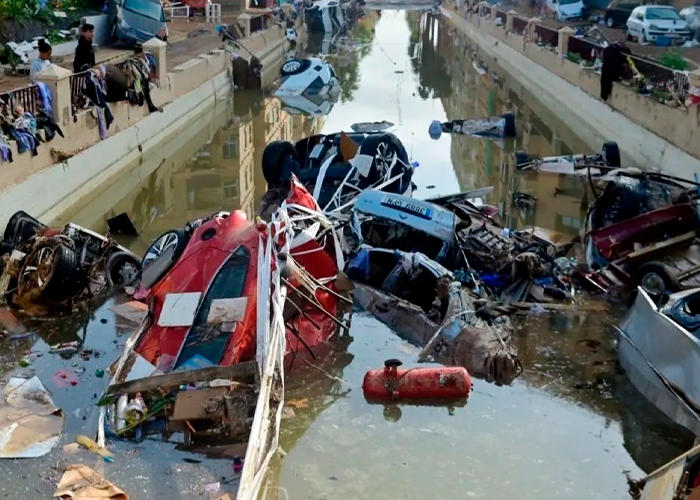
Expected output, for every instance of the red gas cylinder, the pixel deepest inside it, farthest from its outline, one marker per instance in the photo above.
(416, 383)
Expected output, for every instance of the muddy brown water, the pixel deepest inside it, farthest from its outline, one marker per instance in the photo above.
(570, 427)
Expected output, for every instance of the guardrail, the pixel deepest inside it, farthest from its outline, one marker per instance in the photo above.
(27, 97)
(519, 25)
(549, 36)
(662, 78)
(588, 51)
(78, 81)
(502, 16)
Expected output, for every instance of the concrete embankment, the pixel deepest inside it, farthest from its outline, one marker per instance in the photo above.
(188, 93)
(650, 134)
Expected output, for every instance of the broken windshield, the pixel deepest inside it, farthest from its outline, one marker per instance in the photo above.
(147, 8)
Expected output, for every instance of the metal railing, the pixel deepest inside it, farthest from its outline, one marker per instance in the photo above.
(27, 97)
(588, 51)
(78, 81)
(662, 78)
(548, 36)
(519, 25)
(502, 16)
(77, 84)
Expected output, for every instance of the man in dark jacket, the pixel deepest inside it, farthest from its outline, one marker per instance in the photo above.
(84, 53)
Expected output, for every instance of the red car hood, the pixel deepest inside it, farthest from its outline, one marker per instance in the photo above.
(212, 247)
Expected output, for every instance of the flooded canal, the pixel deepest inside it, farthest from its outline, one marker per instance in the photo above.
(570, 427)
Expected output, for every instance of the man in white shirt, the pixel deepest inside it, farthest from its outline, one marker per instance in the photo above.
(40, 62)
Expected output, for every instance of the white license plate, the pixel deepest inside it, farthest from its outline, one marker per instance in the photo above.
(407, 207)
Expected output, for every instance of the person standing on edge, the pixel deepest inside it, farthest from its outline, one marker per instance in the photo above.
(84, 53)
(40, 62)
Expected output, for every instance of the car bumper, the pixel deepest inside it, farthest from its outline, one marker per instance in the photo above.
(675, 38)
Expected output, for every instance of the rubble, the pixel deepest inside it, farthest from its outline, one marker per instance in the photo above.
(494, 126)
(79, 482)
(46, 269)
(31, 422)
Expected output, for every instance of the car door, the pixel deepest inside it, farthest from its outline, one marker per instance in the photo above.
(634, 23)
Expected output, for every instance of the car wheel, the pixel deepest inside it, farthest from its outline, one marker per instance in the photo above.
(621, 204)
(657, 279)
(273, 160)
(122, 269)
(52, 270)
(610, 22)
(611, 153)
(387, 153)
(629, 35)
(644, 37)
(176, 239)
(294, 67)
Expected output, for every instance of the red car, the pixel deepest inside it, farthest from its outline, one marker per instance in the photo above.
(203, 304)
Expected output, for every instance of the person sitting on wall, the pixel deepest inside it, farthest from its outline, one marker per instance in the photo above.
(84, 52)
(41, 62)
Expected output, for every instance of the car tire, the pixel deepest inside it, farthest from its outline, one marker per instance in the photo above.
(643, 38)
(56, 266)
(176, 238)
(273, 160)
(611, 153)
(294, 67)
(621, 204)
(383, 148)
(509, 129)
(122, 269)
(658, 279)
(610, 22)
(629, 35)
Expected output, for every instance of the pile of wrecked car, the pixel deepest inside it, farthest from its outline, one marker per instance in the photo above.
(228, 303)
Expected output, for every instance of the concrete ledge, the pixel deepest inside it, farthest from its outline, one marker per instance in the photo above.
(648, 132)
(53, 190)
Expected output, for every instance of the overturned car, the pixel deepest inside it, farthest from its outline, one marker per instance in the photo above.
(338, 167)
(137, 21)
(44, 265)
(307, 77)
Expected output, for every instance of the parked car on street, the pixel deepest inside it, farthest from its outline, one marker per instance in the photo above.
(567, 10)
(657, 23)
(618, 12)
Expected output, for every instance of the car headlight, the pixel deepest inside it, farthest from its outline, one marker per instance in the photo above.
(654, 27)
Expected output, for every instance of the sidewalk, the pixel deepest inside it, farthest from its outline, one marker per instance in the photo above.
(187, 40)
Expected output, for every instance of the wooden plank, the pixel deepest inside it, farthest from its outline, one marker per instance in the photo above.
(241, 372)
(644, 252)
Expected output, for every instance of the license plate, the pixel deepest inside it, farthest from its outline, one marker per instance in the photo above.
(407, 207)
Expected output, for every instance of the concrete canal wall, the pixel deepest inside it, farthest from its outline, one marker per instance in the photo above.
(649, 133)
(47, 188)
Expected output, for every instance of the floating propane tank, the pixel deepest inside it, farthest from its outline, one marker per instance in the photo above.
(444, 383)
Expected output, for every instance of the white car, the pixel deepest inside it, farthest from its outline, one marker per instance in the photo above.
(310, 105)
(311, 76)
(566, 10)
(650, 23)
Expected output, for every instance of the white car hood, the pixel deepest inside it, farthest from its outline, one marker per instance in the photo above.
(669, 25)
